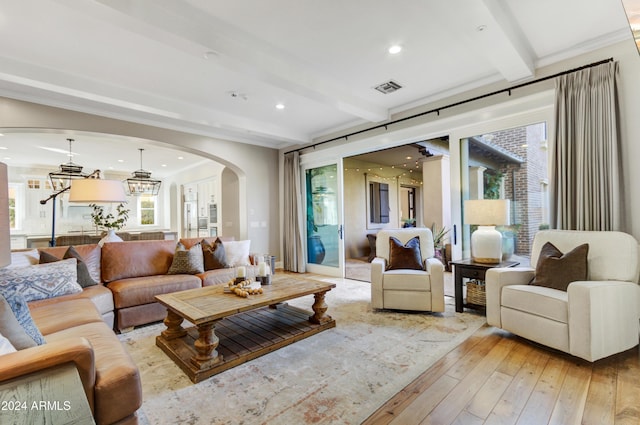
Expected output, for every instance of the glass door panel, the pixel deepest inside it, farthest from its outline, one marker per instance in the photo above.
(323, 219)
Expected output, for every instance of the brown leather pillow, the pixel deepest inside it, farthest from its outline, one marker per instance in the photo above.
(557, 270)
(214, 255)
(405, 256)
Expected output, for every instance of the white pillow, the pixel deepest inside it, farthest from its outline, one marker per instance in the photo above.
(24, 258)
(5, 346)
(237, 252)
(43, 281)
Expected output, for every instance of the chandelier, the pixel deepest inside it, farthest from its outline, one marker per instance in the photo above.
(66, 173)
(141, 183)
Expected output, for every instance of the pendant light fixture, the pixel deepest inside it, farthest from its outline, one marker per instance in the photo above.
(141, 183)
(66, 172)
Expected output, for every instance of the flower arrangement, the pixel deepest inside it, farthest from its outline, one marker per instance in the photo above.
(109, 221)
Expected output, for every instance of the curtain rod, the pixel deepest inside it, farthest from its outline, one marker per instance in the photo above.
(451, 105)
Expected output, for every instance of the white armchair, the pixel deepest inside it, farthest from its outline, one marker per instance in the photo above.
(405, 289)
(593, 319)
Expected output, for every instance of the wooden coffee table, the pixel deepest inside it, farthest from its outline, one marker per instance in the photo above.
(245, 328)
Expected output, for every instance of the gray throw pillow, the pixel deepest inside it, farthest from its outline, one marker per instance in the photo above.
(20, 310)
(557, 270)
(407, 256)
(187, 261)
(84, 277)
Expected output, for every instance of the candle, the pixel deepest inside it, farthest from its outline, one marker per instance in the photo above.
(262, 271)
(241, 271)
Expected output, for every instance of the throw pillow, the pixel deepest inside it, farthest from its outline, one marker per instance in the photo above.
(557, 270)
(42, 281)
(82, 271)
(5, 346)
(214, 255)
(237, 252)
(372, 246)
(24, 258)
(11, 328)
(84, 277)
(20, 310)
(405, 256)
(187, 261)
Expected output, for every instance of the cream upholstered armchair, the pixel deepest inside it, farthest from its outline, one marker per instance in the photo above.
(420, 288)
(594, 318)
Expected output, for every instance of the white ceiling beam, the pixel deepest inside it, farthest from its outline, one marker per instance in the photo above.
(19, 81)
(180, 25)
(491, 34)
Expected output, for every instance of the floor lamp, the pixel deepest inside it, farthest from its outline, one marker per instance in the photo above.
(91, 189)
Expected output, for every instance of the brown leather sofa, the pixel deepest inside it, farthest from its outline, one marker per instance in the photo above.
(78, 328)
(76, 333)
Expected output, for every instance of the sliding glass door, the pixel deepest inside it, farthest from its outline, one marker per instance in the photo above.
(324, 219)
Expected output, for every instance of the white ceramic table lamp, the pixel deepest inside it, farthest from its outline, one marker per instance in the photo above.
(486, 241)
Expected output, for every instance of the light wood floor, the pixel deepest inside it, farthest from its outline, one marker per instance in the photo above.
(497, 378)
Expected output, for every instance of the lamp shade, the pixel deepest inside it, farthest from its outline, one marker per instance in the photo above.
(487, 212)
(97, 190)
(5, 238)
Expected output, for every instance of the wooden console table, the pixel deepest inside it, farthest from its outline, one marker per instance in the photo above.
(471, 270)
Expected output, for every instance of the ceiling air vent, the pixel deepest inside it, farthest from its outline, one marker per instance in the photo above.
(388, 87)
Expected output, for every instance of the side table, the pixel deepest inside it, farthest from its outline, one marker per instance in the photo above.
(472, 270)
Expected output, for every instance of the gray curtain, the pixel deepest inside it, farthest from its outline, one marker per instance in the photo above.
(585, 161)
(294, 255)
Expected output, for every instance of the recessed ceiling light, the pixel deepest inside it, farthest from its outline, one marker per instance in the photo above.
(395, 49)
(121, 160)
(180, 157)
(408, 157)
(3, 147)
(163, 165)
(481, 28)
(280, 106)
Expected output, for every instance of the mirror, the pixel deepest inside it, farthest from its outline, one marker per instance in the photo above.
(378, 203)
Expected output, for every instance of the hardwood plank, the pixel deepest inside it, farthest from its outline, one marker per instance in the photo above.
(489, 394)
(508, 409)
(628, 392)
(405, 398)
(601, 399)
(573, 394)
(459, 397)
(540, 405)
(426, 401)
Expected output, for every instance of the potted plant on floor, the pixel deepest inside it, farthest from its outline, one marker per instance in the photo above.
(109, 222)
(439, 242)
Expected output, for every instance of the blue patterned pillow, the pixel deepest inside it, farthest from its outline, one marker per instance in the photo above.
(42, 281)
(20, 309)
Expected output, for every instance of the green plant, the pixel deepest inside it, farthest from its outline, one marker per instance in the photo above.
(438, 235)
(544, 226)
(109, 221)
(492, 182)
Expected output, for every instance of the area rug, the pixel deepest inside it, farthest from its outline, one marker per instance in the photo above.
(339, 376)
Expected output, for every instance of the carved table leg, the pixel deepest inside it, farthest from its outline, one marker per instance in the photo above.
(173, 322)
(319, 308)
(206, 345)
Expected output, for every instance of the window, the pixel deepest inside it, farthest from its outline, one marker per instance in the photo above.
(147, 210)
(33, 184)
(15, 206)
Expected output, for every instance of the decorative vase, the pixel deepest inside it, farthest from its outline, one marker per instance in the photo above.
(110, 237)
(315, 249)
